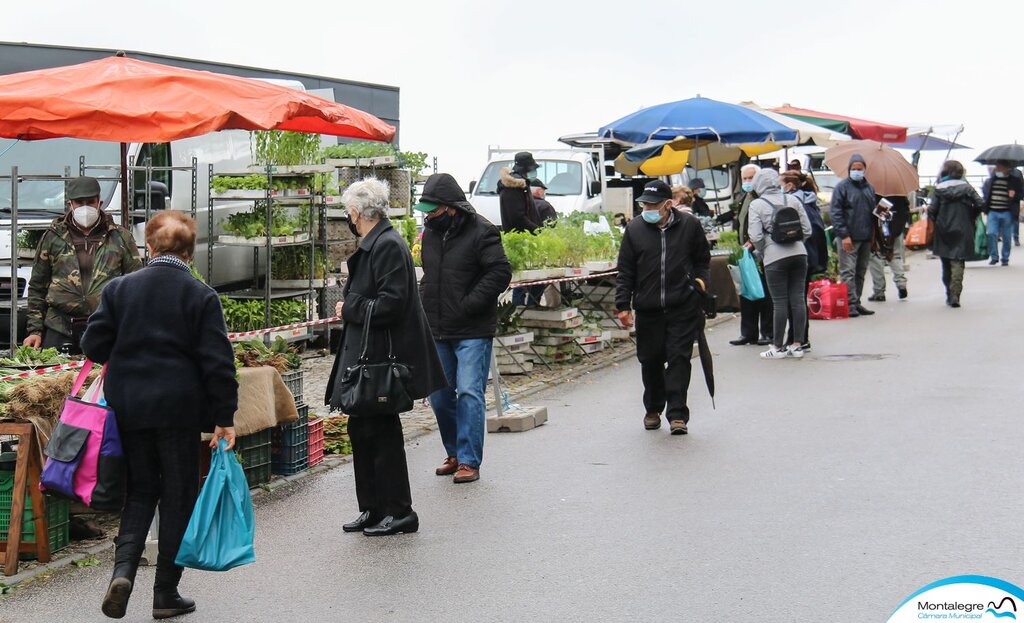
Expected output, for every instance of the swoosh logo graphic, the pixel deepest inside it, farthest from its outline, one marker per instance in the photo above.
(1001, 615)
(1013, 604)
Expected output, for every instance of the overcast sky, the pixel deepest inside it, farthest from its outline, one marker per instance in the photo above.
(514, 74)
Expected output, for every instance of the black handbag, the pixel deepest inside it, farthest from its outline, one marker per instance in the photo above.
(375, 388)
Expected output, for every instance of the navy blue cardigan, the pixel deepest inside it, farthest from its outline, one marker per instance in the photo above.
(170, 365)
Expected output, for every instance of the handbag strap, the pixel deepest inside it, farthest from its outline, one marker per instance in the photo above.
(366, 335)
(84, 373)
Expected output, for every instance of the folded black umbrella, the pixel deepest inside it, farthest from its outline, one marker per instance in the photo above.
(1014, 154)
(706, 363)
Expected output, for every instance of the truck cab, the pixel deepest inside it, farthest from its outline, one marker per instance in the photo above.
(571, 175)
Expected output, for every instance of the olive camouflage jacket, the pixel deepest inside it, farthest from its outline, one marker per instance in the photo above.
(55, 293)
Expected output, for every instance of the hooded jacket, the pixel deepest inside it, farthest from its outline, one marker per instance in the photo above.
(852, 207)
(656, 266)
(464, 268)
(762, 212)
(518, 212)
(954, 209)
(817, 244)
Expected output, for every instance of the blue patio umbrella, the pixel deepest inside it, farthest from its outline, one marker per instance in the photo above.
(701, 119)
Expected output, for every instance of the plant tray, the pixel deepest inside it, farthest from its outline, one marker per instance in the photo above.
(554, 315)
(513, 369)
(599, 266)
(57, 517)
(289, 335)
(262, 241)
(591, 339)
(571, 323)
(516, 348)
(592, 347)
(577, 332)
(295, 284)
(517, 338)
(576, 272)
(240, 195)
(300, 170)
(293, 381)
(376, 161)
(508, 360)
(553, 340)
(537, 274)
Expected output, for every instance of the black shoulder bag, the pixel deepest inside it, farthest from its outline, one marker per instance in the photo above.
(375, 388)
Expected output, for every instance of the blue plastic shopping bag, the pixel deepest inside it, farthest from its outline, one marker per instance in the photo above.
(750, 278)
(220, 533)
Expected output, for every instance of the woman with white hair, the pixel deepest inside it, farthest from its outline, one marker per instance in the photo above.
(381, 290)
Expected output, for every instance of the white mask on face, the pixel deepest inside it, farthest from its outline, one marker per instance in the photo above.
(86, 216)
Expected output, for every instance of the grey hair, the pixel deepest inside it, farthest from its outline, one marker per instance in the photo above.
(750, 165)
(369, 197)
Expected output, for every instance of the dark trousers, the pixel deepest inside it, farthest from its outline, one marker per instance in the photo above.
(756, 316)
(378, 456)
(664, 345)
(163, 468)
(64, 343)
(807, 325)
(786, 282)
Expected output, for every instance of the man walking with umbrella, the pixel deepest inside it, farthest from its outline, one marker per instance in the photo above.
(1003, 191)
(664, 262)
(853, 205)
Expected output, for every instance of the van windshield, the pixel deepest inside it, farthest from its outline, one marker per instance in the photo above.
(716, 178)
(562, 177)
(45, 199)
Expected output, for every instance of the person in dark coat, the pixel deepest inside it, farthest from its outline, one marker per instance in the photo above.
(170, 376)
(381, 273)
(545, 211)
(518, 211)
(699, 206)
(664, 257)
(1003, 190)
(853, 221)
(756, 317)
(954, 209)
(464, 272)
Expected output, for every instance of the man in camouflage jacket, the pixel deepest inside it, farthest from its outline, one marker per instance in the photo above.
(77, 257)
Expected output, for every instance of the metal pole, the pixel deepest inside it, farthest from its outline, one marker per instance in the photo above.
(14, 258)
(124, 185)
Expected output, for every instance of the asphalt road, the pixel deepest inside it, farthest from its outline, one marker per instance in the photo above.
(826, 489)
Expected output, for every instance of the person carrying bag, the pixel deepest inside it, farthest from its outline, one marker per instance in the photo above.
(375, 388)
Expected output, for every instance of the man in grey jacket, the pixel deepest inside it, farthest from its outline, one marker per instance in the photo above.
(853, 204)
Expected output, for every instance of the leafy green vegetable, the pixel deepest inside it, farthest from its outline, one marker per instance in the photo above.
(249, 315)
(254, 224)
(28, 356)
(293, 263)
(284, 148)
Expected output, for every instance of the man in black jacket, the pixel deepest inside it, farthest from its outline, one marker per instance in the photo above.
(518, 212)
(664, 257)
(853, 221)
(545, 211)
(464, 272)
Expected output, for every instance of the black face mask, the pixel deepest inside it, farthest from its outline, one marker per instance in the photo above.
(440, 223)
(352, 228)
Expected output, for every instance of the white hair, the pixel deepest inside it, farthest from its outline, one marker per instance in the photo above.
(750, 165)
(369, 197)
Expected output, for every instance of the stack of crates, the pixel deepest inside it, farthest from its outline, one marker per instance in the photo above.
(290, 443)
(57, 517)
(254, 454)
(316, 441)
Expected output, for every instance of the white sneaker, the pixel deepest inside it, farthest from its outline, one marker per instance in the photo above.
(772, 353)
(796, 352)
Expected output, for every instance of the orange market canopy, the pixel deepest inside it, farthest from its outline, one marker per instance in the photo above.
(131, 101)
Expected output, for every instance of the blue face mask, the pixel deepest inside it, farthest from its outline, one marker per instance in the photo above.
(856, 175)
(747, 187)
(651, 216)
(1000, 174)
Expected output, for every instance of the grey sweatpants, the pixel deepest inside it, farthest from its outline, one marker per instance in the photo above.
(853, 267)
(878, 264)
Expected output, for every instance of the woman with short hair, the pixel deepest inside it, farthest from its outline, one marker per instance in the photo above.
(381, 289)
(954, 209)
(170, 376)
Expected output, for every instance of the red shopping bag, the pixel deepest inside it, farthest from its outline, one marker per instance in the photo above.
(826, 300)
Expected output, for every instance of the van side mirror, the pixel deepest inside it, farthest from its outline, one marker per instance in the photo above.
(595, 188)
(472, 186)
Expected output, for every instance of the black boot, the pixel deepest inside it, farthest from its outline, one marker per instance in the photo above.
(126, 565)
(167, 602)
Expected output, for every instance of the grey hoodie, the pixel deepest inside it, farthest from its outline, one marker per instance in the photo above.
(769, 192)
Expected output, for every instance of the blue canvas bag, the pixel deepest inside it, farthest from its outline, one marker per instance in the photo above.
(750, 278)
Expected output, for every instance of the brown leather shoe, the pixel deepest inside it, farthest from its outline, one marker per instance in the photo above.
(652, 421)
(448, 467)
(466, 473)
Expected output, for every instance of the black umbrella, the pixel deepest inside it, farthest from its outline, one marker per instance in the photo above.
(1014, 154)
(706, 364)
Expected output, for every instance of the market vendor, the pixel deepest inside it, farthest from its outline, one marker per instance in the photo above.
(77, 257)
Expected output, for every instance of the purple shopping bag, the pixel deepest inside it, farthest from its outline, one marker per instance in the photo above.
(85, 461)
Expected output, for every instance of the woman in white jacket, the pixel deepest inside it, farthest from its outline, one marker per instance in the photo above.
(785, 263)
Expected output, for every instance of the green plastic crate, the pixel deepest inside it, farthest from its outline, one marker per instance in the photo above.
(57, 517)
(254, 453)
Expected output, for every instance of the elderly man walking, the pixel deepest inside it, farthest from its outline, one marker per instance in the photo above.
(756, 322)
(853, 205)
(464, 272)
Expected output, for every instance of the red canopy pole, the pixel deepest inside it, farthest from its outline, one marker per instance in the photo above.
(124, 185)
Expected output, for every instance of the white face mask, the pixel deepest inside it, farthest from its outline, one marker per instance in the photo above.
(86, 216)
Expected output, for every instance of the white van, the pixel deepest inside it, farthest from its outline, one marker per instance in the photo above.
(570, 175)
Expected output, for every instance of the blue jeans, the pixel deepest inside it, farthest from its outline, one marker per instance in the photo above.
(460, 408)
(1000, 223)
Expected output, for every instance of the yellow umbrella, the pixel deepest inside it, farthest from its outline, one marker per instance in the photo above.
(677, 155)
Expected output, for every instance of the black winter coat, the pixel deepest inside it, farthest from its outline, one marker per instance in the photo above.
(852, 206)
(161, 333)
(656, 265)
(700, 207)
(545, 211)
(381, 271)
(464, 272)
(954, 210)
(518, 212)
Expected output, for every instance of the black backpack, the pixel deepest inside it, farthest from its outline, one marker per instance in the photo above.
(786, 226)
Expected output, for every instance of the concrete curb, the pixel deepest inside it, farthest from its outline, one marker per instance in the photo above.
(331, 462)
